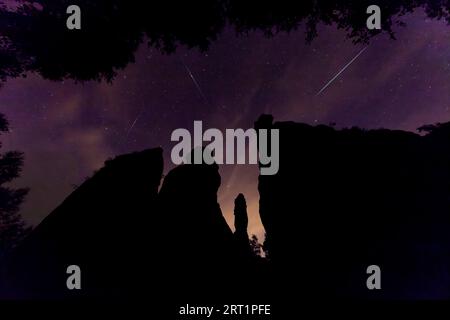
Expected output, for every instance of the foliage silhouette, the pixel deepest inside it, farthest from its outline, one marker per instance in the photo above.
(256, 247)
(12, 227)
(34, 37)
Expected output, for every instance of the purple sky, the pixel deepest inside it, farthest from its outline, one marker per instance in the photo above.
(67, 130)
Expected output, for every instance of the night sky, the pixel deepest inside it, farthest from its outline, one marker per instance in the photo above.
(67, 130)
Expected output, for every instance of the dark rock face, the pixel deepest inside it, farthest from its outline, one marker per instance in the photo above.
(346, 199)
(103, 227)
(341, 201)
(241, 223)
(240, 216)
(131, 241)
(199, 239)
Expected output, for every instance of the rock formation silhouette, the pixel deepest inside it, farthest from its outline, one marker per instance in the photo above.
(103, 227)
(346, 199)
(342, 200)
(200, 241)
(240, 216)
(128, 239)
(241, 238)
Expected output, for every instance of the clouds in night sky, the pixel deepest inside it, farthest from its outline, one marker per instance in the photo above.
(67, 130)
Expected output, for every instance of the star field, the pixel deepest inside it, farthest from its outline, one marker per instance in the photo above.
(68, 129)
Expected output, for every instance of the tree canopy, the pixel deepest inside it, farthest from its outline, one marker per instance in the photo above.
(34, 37)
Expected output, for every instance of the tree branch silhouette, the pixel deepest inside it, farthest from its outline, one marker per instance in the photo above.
(33, 37)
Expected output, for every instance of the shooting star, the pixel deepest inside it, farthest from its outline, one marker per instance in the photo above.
(342, 70)
(132, 125)
(199, 89)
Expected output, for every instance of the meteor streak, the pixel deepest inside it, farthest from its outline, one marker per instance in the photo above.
(339, 73)
(199, 89)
